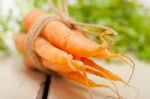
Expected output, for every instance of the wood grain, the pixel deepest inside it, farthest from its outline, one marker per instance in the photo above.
(64, 89)
(17, 81)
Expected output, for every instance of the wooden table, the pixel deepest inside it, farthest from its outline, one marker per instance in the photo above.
(18, 82)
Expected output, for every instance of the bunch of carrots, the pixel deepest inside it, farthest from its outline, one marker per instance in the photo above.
(67, 51)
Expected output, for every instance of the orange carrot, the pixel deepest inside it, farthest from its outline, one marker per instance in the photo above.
(43, 47)
(56, 60)
(65, 50)
(48, 50)
(63, 37)
(50, 53)
(20, 41)
(76, 76)
(28, 23)
(54, 67)
(95, 69)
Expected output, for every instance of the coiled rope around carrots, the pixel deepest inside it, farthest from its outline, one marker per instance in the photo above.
(61, 15)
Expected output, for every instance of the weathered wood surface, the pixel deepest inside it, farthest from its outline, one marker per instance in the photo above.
(18, 82)
(63, 89)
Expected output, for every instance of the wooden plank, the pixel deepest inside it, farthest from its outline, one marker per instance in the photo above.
(63, 89)
(17, 81)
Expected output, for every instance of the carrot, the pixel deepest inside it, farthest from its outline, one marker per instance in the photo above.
(48, 52)
(65, 39)
(95, 69)
(43, 47)
(55, 67)
(65, 50)
(77, 76)
(72, 75)
(70, 41)
(28, 23)
(71, 68)
(20, 42)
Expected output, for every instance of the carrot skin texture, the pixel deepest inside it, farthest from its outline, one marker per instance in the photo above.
(58, 47)
(68, 73)
(80, 78)
(20, 42)
(63, 37)
(50, 53)
(27, 22)
(44, 50)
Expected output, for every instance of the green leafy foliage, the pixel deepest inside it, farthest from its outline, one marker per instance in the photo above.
(127, 17)
(3, 28)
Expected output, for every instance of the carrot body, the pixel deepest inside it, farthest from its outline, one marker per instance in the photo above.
(65, 71)
(43, 48)
(20, 42)
(57, 67)
(95, 69)
(63, 37)
(66, 51)
(50, 53)
(80, 78)
(27, 23)
(69, 68)
(54, 67)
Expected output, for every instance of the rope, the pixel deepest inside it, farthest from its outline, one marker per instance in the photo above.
(32, 35)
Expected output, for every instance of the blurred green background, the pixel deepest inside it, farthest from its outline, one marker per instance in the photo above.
(129, 18)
